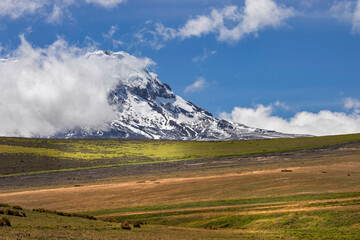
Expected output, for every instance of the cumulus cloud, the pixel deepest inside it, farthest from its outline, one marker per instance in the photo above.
(322, 123)
(197, 86)
(53, 11)
(48, 90)
(229, 24)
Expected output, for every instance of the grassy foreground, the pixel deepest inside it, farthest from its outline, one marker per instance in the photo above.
(323, 216)
(21, 156)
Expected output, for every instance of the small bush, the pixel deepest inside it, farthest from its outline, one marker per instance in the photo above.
(64, 213)
(22, 214)
(39, 210)
(125, 225)
(83, 216)
(16, 213)
(6, 221)
(4, 205)
(10, 212)
(18, 207)
(137, 225)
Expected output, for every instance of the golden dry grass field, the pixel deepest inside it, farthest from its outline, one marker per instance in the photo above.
(305, 191)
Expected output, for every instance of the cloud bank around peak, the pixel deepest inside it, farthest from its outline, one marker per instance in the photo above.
(229, 24)
(322, 123)
(58, 88)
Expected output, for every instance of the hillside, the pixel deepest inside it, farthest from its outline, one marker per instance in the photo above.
(21, 156)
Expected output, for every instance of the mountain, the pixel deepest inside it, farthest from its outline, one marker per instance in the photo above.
(148, 108)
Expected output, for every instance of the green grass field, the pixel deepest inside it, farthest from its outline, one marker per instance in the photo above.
(19, 156)
(315, 216)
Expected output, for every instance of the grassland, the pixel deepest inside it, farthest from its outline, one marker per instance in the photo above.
(22, 156)
(183, 190)
(324, 216)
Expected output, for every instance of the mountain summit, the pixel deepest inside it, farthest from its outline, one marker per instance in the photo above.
(147, 108)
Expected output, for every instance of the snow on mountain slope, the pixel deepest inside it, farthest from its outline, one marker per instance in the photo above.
(147, 108)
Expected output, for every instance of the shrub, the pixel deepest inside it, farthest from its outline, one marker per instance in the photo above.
(18, 207)
(10, 212)
(64, 213)
(16, 213)
(125, 225)
(137, 225)
(4, 205)
(5, 222)
(83, 216)
(39, 210)
(22, 214)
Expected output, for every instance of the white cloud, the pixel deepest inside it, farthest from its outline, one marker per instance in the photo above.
(57, 88)
(18, 8)
(347, 11)
(321, 123)
(197, 86)
(111, 32)
(56, 15)
(53, 11)
(110, 36)
(257, 15)
(281, 105)
(356, 18)
(206, 54)
(352, 104)
(106, 3)
(154, 38)
(229, 24)
(343, 11)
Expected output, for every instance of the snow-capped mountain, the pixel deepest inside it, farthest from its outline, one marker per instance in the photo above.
(147, 108)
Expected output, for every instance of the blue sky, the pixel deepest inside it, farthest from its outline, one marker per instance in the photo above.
(289, 58)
